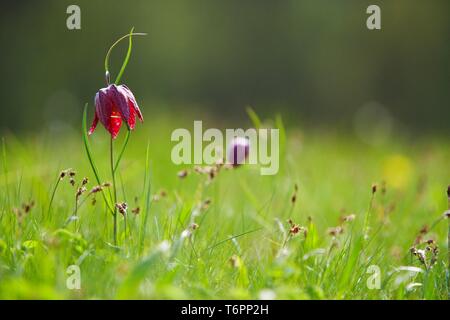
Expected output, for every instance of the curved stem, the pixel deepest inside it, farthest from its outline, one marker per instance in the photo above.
(125, 62)
(53, 195)
(127, 137)
(76, 214)
(367, 216)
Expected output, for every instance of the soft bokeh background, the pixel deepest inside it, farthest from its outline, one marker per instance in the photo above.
(314, 62)
(360, 108)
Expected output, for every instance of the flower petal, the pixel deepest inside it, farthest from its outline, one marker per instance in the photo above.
(114, 124)
(119, 100)
(132, 118)
(94, 124)
(238, 151)
(103, 107)
(132, 99)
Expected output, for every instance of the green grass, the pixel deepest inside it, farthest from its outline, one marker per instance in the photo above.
(241, 248)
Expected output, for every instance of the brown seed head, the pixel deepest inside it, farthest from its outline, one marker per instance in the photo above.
(194, 226)
(96, 189)
(235, 261)
(424, 230)
(335, 231)
(163, 193)
(182, 174)
(294, 230)
(374, 188)
(348, 218)
(205, 204)
(80, 191)
(294, 198)
(122, 207)
(198, 169)
(28, 206)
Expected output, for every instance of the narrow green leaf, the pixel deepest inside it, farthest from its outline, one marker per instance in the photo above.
(253, 117)
(5, 172)
(147, 186)
(89, 154)
(119, 157)
(280, 126)
(127, 57)
(108, 54)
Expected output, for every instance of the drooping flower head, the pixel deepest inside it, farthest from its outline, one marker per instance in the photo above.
(114, 104)
(238, 151)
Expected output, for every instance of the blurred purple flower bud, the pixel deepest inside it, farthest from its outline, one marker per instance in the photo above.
(238, 151)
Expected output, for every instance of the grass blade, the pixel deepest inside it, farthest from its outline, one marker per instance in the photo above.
(125, 62)
(147, 186)
(253, 117)
(127, 57)
(89, 154)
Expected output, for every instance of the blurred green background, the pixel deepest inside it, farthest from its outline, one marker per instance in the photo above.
(315, 62)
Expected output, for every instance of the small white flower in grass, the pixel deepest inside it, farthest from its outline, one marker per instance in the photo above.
(185, 234)
(280, 226)
(410, 269)
(314, 253)
(412, 286)
(405, 274)
(146, 288)
(171, 265)
(267, 294)
(283, 254)
(164, 246)
(195, 212)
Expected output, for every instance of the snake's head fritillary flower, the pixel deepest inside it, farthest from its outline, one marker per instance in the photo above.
(238, 151)
(114, 104)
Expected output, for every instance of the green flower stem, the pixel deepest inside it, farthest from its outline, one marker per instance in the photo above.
(367, 217)
(91, 159)
(127, 137)
(53, 195)
(113, 173)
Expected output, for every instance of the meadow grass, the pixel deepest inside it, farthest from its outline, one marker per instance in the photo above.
(230, 236)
